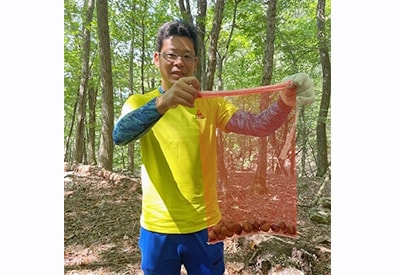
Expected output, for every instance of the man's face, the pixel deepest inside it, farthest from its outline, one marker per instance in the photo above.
(175, 60)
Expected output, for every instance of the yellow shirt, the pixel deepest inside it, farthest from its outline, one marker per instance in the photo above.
(179, 171)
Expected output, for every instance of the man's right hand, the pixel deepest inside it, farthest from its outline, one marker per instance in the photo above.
(183, 92)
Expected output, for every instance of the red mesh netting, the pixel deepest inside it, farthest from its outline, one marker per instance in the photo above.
(256, 176)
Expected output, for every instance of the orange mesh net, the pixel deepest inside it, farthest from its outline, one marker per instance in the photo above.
(256, 176)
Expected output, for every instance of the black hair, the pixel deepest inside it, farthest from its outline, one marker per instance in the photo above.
(179, 28)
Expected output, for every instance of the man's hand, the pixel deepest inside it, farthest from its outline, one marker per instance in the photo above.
(183, 92)
(303, 93)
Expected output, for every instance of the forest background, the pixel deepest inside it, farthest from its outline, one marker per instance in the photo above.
(44, 60)
(108, 53)
(108, 56)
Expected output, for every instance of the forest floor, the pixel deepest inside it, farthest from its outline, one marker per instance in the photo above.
(101, 226)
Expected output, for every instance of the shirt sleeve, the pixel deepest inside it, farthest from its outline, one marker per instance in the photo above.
(262, 124)
(134, 124)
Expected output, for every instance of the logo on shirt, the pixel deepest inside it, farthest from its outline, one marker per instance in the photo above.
(199, 115)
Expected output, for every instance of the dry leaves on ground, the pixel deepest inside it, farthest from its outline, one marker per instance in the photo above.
(101, 226)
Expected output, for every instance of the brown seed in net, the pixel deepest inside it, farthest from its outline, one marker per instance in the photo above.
(237, 228)
(247, 227)
(217, 229)
(230, 226)
(282, 226)
(275, 227)
(265, 226)
(256, 226)
(220, 236)
(291, 230)
(226, 231)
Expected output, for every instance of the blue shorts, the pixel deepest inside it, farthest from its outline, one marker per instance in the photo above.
(164, 254)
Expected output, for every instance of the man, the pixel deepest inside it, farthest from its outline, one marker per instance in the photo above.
(178, 145)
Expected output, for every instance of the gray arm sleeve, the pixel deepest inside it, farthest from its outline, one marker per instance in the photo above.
(262, 124)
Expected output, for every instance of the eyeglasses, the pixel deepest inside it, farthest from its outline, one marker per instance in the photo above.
(173, 57)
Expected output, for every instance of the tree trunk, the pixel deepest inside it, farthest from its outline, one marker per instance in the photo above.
(212, 52)
(303, 143)
(322, 151)
(67, 155)
(224, 54)
(106, 147)
(223, 173)
(143, 29)
(259, 183)
(131, 145)
(186, 12)
(91, 151)
(201, 30)
(269, 49)
(80, 126)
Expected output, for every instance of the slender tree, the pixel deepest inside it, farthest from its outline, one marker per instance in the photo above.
(223, 173)
(223, 53)
(186, 12)
(131, 145)
(201, 30)
(82, 97)
(106, 148)
(323, 42)
(214, 36)
(259, 185)
(143, 29)
(200, 20)
(91, 147)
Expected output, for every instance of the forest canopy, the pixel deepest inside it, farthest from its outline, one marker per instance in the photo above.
(234, 54)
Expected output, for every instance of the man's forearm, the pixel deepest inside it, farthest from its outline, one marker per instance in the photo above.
(262, 124)
(136, 123)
